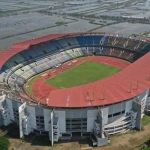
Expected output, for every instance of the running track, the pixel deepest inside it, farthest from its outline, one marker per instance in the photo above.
(41, 90)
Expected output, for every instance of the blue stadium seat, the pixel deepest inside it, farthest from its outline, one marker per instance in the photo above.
(84, 50)
(146, 49)
(88, 40)
(51, 47)
(81, 41)
(37, 69)
(100, 50)
(25, 55)
(32, 53)
(73, 41)
(97, 39)
(4, 68)
(90, 50)
(39, 50)
(104, 40)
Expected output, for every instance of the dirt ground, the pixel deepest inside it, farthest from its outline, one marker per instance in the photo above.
(19, 145)
(128, 141)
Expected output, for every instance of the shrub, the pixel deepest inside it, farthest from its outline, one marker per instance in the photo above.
(4, 143)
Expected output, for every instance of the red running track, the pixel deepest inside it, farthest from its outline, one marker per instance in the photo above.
(41, 90)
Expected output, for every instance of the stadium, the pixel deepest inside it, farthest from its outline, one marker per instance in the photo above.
(75, 85)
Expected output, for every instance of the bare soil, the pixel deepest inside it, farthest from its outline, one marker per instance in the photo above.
(128, 141)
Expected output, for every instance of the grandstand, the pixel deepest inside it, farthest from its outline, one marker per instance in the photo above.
(111, 105)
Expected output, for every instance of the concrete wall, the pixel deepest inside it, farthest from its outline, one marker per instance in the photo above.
(128, 106)
(62, 120)
(31, 110)
(137, 107)
(102, 141)
(47, 113)
(76, 113)
(105, 115)
(9, 104)
(21, 114)
(91, 116)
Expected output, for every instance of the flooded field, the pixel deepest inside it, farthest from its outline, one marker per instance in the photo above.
(125, 29)
(26, 19)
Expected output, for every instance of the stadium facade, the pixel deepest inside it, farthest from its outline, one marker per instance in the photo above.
(119, 101)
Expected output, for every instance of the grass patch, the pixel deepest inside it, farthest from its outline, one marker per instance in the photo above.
(30, 85)
(82, 74)
(4, 143)
(145, 120)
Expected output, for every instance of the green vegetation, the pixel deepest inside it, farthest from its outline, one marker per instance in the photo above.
(23, 138)
(145, 120)
(144, 34)
(123, 19)
(82, 74)
(30, 84)
(60, 23)
(145, 147)
(4, 143)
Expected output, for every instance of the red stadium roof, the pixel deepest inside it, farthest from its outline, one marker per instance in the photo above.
(7, 54)
(19, 47)
(130, 82)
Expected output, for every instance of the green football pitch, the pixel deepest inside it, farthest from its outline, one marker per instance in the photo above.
(84, 73)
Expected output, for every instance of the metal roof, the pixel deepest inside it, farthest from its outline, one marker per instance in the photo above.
(130, 82)
(19, 47)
